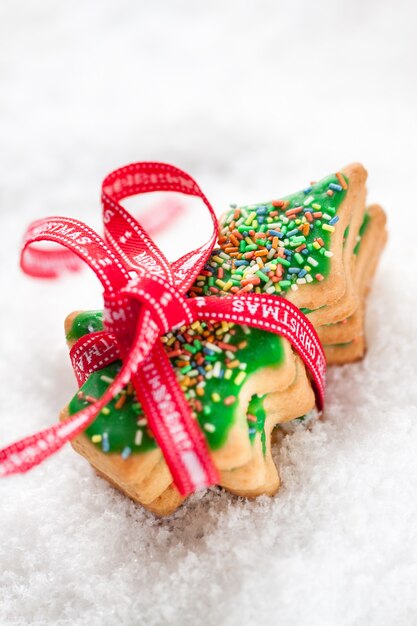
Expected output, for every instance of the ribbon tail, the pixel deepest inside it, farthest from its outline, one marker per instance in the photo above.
(26, 453)
(175, 429)
(23, 455)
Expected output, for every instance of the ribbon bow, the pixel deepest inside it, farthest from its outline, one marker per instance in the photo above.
(144, 298)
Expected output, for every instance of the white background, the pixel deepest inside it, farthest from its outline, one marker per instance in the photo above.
(254, 99)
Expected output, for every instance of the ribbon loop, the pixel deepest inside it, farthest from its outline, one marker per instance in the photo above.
(82, 241)
(138, 249)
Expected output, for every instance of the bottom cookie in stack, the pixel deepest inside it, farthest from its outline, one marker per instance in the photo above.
(344, 341)
(240, 383)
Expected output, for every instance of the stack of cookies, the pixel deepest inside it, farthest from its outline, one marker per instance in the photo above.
(319, 248)
(240, 382)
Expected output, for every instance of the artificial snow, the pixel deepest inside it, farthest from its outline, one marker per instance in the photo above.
(254, 99)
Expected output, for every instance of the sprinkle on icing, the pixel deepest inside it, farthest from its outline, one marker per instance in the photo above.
(212, 361)
(275, 246)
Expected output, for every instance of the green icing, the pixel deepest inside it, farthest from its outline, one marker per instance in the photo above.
(263, 349)
(216, 412)
(364, 226)
(84, 323)
(362, 230)
(256, 416)
(307, 311)
(274, 246)
(121, 425)
(339, 345)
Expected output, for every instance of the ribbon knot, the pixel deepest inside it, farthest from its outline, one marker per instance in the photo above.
(169, 307)
(144, 298)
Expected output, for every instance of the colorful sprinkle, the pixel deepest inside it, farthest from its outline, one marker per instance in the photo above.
(105, 445)
(138, 437)
(335, 187)
(240, 378)
(341, 180)
(261, 245)
(106, 379)
(126, 452)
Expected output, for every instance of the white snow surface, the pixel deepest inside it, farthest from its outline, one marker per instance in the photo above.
(254, 99)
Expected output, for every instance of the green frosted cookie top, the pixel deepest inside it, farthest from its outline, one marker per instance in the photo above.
(212, 362)
(275, 246)
(84, 323)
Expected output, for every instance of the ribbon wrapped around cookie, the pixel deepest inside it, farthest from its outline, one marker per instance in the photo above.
(144, 298)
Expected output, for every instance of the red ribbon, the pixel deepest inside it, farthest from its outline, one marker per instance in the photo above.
(144, 298)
